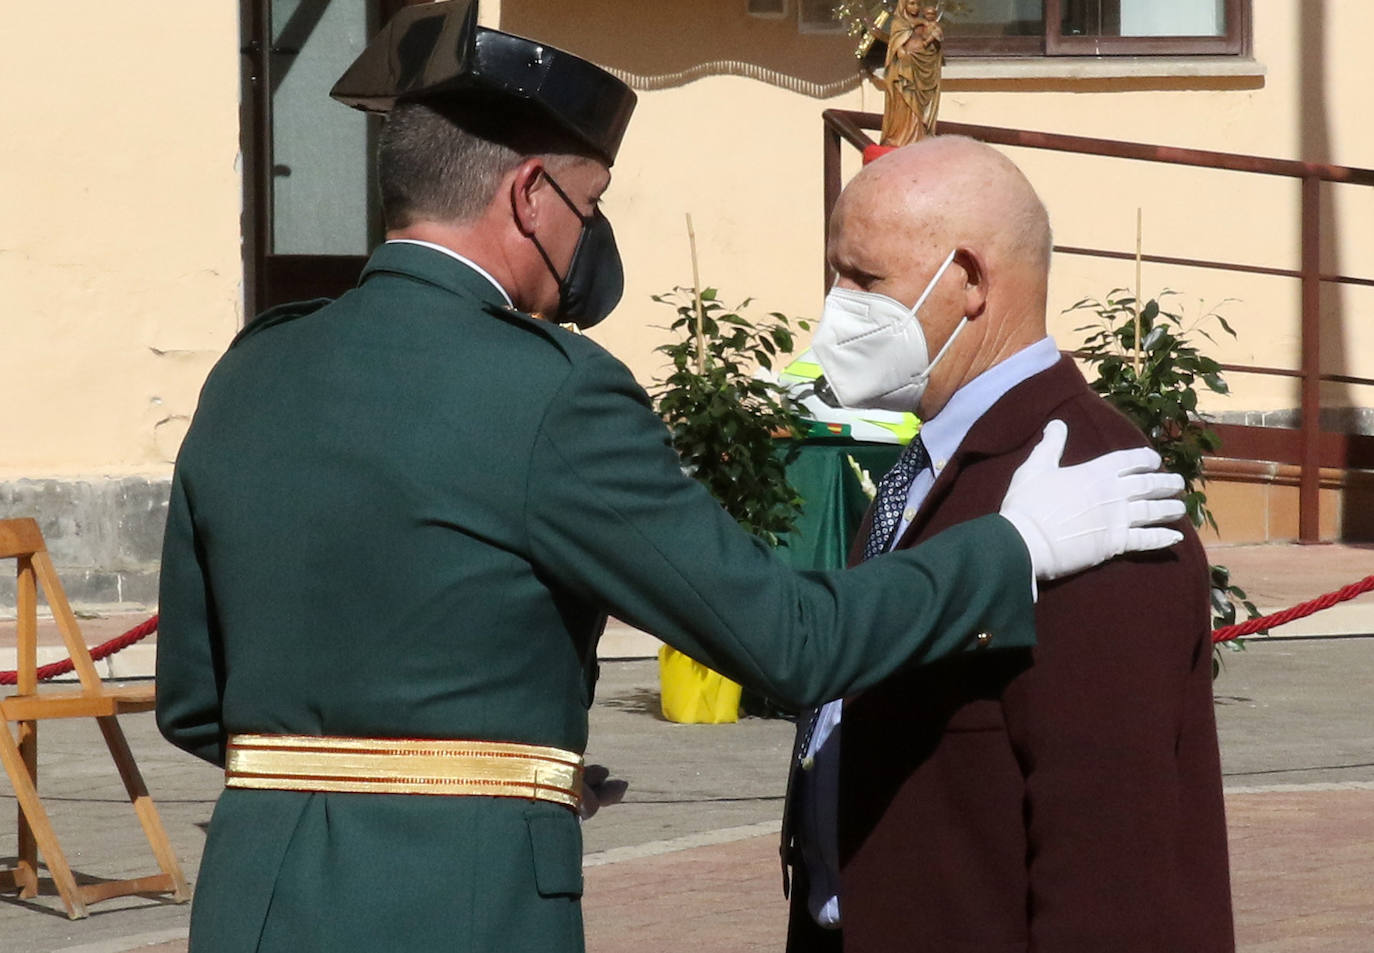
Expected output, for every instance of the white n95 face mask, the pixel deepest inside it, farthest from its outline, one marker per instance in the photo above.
(872, 350)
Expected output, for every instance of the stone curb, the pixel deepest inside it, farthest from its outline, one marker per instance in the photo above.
(129, 944)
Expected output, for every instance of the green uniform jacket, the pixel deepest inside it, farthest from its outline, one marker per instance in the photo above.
(405, 514)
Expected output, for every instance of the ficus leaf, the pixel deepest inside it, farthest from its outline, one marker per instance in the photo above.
(1163, 400)
(722, 421)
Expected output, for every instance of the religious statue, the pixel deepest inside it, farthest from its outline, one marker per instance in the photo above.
(915, 54)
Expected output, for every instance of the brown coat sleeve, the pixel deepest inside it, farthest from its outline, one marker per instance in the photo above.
(1113, 728)
(1062, 801)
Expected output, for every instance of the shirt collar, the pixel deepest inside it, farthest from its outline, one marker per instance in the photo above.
(944, 432)
(453, 254)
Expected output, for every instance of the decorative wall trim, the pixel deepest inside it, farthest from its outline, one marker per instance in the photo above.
(773, 77)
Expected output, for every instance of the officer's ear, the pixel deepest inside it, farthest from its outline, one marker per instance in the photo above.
(527, 188)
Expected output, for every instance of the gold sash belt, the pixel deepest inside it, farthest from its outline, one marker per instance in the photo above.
(376, 766)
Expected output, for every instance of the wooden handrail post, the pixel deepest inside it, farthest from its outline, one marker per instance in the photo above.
(1309, 495)
(831, 177)
(839, 124)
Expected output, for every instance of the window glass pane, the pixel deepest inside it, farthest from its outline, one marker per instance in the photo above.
(320, 152)
(994, 18)
(1173, 17)
(1144, 18)
(818, 16)
(1091, 18)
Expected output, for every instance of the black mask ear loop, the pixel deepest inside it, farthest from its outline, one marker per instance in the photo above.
(583, 219)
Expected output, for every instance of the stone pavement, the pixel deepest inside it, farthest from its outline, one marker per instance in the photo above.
(1276, 576)
(688, 861)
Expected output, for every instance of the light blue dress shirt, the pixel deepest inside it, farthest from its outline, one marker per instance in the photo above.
(942, 435)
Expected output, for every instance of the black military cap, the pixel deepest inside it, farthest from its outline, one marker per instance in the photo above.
(437, 52)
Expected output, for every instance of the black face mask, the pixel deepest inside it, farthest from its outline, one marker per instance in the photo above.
(595, 278)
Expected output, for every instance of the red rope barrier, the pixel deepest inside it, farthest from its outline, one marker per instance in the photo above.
(104, 650)
(1302, 610)
(1223, 634)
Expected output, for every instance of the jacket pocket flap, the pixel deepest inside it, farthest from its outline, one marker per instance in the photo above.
(556, 842)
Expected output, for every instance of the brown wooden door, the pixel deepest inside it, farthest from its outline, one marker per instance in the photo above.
(310, 211)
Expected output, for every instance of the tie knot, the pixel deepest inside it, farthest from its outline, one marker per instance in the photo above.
(892, 494)
(915, 454)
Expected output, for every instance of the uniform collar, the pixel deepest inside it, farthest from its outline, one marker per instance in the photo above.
(463, 258)
(437, 266)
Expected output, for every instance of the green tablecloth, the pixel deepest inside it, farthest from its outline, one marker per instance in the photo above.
(834, 499)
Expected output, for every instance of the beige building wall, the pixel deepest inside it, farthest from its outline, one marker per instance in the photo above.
(120, 212)
(744, 157)
(120, 272)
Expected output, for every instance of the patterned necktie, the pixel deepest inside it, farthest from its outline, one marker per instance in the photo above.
(891, 498)
(887, 516)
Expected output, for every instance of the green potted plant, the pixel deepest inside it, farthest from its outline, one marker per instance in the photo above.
(735, 431)
(1150, 367)
(724, 419)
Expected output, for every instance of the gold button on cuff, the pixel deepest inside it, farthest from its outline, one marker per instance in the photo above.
(983, 639)
(808, 763)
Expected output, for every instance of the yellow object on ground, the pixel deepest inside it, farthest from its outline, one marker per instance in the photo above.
(692, 694)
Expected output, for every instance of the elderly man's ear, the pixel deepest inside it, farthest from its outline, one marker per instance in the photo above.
(975, 282)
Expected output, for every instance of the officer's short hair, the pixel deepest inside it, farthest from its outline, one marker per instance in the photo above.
(443, 162)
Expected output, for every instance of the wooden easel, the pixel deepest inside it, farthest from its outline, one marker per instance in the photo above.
(20, 539)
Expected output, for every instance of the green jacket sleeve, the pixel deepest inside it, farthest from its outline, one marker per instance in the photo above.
(610, 515)
(189, 673)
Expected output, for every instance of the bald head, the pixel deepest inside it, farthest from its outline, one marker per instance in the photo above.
(947, 189)
(904, 213)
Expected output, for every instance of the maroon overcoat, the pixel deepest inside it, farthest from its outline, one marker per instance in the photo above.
(1061, 800)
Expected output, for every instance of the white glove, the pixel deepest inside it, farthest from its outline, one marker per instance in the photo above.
(1075, 517)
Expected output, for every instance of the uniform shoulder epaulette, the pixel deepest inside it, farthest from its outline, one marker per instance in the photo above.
(560, 337)
(279, 315)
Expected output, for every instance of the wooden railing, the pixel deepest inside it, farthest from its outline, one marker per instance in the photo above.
(1306, 446)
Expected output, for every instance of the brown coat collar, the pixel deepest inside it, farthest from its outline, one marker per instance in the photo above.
(1014, 421)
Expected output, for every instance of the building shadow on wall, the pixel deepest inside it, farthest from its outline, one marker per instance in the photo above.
(673, 42)
(1342, 404)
